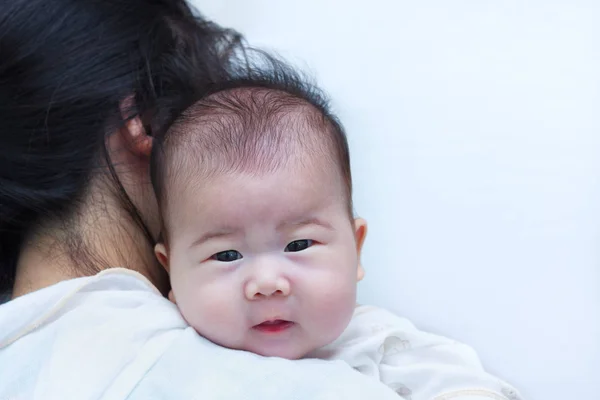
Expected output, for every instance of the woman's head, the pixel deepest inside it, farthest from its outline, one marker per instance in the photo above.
(80, 82)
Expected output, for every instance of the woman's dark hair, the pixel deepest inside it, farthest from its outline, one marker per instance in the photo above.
(66, 69)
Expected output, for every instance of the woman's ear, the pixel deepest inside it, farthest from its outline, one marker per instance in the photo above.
(134, 135)
(360, 234)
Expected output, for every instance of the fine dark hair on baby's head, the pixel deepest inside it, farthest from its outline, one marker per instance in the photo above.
(263, 116)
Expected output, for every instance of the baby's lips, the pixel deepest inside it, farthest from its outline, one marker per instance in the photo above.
(273, 326)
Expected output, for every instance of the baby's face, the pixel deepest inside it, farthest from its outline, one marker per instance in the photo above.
(268, 263)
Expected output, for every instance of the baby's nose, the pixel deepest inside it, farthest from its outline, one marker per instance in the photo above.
(262, 288)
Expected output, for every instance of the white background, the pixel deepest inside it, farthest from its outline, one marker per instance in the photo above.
(475, 136)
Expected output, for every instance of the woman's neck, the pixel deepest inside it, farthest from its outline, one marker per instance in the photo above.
(105, 236)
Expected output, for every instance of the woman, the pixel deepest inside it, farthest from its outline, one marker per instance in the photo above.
(83, 86)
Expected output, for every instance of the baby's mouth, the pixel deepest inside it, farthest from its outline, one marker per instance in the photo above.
(273, 326)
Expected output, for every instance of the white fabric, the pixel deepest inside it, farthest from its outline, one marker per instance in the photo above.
(416, 364)
(112, 336)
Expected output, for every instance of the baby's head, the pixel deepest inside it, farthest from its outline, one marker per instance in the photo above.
(255, 192)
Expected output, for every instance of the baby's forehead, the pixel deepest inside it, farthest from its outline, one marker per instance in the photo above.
(285, 197)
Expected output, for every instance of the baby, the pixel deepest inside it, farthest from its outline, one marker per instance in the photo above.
(263, 250)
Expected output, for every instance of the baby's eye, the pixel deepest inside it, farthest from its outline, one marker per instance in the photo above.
(227, 256)
(298, 245)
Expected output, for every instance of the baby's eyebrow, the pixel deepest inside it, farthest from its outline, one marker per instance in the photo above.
(213, 235)
(303, 222)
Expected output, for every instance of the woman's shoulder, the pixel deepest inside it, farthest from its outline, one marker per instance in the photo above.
(87, 331)
(109, 293)
(34, 311)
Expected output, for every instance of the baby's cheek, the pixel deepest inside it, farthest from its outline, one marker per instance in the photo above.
(197, 300)
(214, 313)
(333, 304)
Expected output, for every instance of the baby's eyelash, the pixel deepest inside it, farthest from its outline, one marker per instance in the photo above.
(227, 256)
(298, 245)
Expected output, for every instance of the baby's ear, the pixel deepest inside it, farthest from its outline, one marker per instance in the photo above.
(171, 297)
(162, 254)
(360, 234)
(160, 250)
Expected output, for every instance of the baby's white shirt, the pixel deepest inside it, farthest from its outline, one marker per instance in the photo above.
(415, 364)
